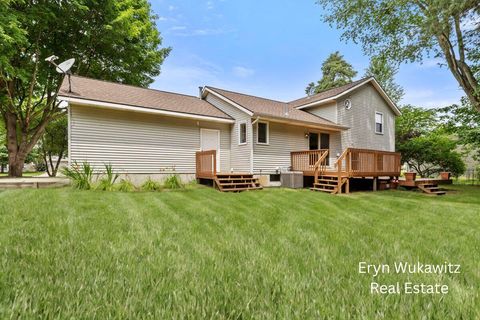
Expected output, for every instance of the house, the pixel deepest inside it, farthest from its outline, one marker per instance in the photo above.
(335, 135)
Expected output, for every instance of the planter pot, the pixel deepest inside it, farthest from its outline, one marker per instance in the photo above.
(445, 175)
(410, 176)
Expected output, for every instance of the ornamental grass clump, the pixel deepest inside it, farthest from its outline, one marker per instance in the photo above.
(151, 185)
(173, 182)
(107, 182)
(80, 175)
(126, 185)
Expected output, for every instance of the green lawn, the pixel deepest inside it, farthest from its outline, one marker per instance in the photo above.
(199, 253)
(25, 174)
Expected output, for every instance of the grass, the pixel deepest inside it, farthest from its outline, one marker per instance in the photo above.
(198, 253)
(25, 174)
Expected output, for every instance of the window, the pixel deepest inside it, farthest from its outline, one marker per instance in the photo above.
(242, 133)
(262, 132)
(379, 122)
(274, 178)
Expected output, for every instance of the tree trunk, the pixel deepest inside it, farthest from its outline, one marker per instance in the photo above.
(16, 153)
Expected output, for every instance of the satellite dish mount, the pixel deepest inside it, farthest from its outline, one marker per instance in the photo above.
(63, 68)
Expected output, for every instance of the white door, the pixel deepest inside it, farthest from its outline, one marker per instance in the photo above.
(210, 140)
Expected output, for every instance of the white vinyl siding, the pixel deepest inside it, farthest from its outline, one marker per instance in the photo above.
(361, 120)
(240, 155)
(283, 139)
(139, 143)
(327, 111)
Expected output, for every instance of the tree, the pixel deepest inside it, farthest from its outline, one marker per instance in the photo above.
(410, 30)
(463, 121)
(335, 72)
(426, 147)
(384, 72)
(111, 39)
(54, 142)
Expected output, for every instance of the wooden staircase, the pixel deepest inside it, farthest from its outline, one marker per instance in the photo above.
(329, 184)
(431, 188)
(236, 182)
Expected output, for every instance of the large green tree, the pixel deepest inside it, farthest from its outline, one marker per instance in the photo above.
(384, 72)
(463, 121)
(425, 146)
(410, 30)
(111, 39)
(336, 71)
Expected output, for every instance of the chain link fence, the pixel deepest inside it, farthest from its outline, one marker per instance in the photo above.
(470, 177)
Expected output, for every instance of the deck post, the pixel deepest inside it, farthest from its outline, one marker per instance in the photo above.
(375, 183)
(347, 185)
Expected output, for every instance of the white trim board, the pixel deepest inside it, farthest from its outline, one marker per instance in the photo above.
(118, 106)
(218, 95)
(334, 98)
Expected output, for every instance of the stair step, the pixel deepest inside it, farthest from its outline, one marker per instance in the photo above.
(241, 189)
(324, 190)
(236, 179)
(238, 183)
(325, 185)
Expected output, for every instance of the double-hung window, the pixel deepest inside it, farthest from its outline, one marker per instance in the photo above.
(262, 132)
(242, 133)
(379, 122)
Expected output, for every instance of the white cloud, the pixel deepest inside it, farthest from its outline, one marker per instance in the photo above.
(242, 72)
(178, 28)
(210, 5)
(186, 32)
(171, 8)
(162, 18)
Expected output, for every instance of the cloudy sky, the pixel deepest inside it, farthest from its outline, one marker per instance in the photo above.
(270, 48)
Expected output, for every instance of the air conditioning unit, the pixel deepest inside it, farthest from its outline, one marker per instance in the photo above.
(292, 179)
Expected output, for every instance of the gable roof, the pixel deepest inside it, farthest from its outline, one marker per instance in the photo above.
(335, 93)
(127, 95)
(269, 108)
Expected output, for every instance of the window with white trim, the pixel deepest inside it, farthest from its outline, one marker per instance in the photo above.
(379, 122)
(262, 132)
(242, 133)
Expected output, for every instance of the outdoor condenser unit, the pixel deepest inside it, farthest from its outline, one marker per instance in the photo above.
(292, 179)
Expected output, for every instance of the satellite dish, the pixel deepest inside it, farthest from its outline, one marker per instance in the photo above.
(65, 66)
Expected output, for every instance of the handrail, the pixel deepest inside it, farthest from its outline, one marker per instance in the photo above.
(305, 160)
(320, 165)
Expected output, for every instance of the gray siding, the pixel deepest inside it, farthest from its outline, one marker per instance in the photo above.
(139, 143)
(328, 111)
(361, 120)
(284, 139)
(240, 155)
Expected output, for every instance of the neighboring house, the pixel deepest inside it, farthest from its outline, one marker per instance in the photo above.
(145, 132)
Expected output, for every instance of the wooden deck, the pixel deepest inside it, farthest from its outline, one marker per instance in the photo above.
(206, 168)
(352, 163)
(422, 181)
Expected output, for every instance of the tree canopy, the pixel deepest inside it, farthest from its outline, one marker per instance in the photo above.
(336, 71)
(410, 30)
(112, 40)
(384, 72)
(425, 146)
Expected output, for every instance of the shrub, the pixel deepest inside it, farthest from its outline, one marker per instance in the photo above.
(173, 182)
(126, 185)
(81, 175)
(151, 185)
(107, 182)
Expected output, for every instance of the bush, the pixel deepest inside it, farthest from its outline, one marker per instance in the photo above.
(81, 175)
(151, 185)
(126, 185)
(107, 182)
(173, 182)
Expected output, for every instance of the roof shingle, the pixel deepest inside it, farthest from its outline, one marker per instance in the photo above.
(272, 108)
(104, 91)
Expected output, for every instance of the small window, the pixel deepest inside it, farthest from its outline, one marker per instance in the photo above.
(379, 122)
(242, 133)
(274, 178)
(262, 132)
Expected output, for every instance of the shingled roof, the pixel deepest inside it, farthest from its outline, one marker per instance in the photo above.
(326, 94)
(104, 91)
(271, 108)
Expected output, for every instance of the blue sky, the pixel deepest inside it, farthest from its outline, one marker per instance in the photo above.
(271, 49)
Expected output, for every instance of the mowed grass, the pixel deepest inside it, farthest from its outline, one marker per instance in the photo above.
(198, 253)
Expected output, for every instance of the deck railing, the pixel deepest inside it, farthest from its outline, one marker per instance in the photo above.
(305, 160)
(368, 163)
(206, 164)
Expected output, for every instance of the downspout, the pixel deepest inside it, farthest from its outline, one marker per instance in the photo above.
(251, 146)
